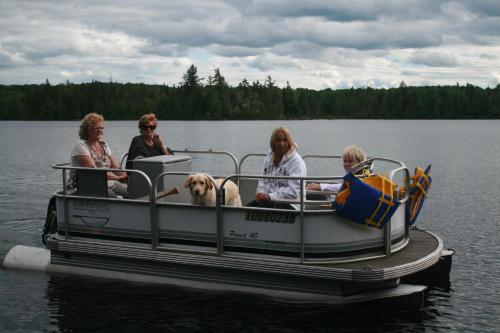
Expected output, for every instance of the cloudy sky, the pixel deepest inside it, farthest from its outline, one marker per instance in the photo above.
(311, 44)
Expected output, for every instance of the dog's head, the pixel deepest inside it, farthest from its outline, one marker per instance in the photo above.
(198, 184)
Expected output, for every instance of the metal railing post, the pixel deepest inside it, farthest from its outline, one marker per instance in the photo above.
(387, 239)
(218, 217)
(66, 216)
(387, 227)
(302, 247)
(154, 218)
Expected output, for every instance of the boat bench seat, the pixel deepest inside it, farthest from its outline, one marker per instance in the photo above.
(92, 183)
(309, 204)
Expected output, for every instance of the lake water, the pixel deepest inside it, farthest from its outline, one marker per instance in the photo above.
(463, 208)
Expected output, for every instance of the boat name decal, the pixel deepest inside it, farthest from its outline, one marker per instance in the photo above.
(91, 205)
(274, 217)
(246, 235)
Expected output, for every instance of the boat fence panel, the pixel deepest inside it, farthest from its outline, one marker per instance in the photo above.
(106, 219)
(247, 189)
(187, 225)
(262, 231)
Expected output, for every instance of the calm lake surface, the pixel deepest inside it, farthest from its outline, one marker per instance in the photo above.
(463, 208)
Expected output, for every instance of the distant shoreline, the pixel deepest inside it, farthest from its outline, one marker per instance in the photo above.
(256, 101)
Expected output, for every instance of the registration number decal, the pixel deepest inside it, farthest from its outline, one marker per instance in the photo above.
(273, 217)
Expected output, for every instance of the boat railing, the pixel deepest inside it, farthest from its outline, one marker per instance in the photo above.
(64, 167)
(211, 152)
(405, 199)
(67, 166)
(245, 158)
(300, 204)
(370, 165)
(316, 156)
(123, 159)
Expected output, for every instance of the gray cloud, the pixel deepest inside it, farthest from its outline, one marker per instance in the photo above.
(341, 11)
(149, 41)
(435, 59)
(484, 7)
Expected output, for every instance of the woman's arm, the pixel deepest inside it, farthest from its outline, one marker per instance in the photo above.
(116, 175)
(261, 191)
(313, 186)
(331, 187)
(85, 161)
(158, 141)
(135, 150)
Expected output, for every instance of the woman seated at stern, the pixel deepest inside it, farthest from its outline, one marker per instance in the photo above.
(93, 152)
(149, 143)
(282, 160)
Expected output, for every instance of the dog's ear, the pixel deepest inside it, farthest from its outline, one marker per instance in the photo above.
(188, 181)
(209, 182)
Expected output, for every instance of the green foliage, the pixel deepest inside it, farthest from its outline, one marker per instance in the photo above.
(217, 101)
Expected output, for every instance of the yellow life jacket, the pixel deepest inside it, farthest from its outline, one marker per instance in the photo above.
(419, 187)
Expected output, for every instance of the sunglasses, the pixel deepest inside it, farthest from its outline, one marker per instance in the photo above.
(152, 127)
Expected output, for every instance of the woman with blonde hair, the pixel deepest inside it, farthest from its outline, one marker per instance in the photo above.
(93, 152)
(149, 143)
(282, 160)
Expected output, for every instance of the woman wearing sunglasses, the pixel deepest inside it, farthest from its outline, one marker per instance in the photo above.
(149, 143)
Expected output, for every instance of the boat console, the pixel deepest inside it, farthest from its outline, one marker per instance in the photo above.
(153, 167)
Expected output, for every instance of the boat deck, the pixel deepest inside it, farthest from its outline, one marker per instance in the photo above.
(423, 250)
(421, 244)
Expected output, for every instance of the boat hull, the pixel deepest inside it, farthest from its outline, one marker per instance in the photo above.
(332, 283)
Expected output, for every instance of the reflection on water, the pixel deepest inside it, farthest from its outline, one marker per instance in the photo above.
(88, 304)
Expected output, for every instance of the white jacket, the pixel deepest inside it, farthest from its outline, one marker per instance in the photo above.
(291, 165)
(330, 187)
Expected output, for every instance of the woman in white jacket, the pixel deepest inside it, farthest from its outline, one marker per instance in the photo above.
(282, 160)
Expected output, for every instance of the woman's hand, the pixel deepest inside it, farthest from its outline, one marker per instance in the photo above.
(119, 176)
(262, 197)
(157, 140)
(123, 178)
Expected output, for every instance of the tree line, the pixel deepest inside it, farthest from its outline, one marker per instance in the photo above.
(214, 99)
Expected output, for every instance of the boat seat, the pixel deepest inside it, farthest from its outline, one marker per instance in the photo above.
(309, 204)
(92, 183)
(247, 189)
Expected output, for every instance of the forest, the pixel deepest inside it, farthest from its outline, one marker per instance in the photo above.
(195, 98)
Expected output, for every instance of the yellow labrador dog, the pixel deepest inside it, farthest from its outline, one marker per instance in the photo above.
(202, 192)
